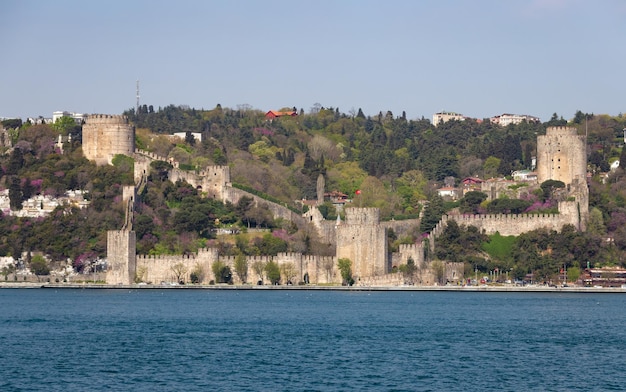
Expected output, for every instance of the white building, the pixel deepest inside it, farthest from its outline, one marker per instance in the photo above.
(42, 205)
(446, 116)
(506, 119)
(78, 117)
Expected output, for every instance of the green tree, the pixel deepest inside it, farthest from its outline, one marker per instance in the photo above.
(273, 272)
(491, 167)
(15, 194)
(7, 270)
(345, 268)
(197, 274)
(179, 271)
(439, 270)
(221, 272)
(549, 186)
(432, 214)
(289, 272)
(471, 202)
(408, 270)
(64, 125)
(16, 161)
(241, 267)
(259, 267)
(39, 266)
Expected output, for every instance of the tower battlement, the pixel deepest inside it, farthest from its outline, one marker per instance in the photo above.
(106, 119)
(561, 130)
(362, 216)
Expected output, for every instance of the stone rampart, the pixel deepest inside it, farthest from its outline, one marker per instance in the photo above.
(510, 224)
(233, 195)
(413, 251)
(402, 228)
(214, 181)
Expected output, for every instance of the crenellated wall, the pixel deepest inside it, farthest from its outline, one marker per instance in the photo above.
(124, 269)
(170, 268)
(233, 195)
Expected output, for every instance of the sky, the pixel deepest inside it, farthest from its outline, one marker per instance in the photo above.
(480, 58)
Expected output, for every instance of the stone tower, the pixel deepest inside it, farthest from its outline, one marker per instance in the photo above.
(320, 189)
(104, 136)
(363, 240)
(121, 258)
(562, 156)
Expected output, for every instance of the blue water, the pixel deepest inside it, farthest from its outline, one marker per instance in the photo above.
(201, 340)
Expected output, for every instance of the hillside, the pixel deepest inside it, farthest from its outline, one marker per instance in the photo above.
(396, 163)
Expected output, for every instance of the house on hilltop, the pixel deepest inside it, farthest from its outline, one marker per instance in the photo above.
(444, 116)
(507, 118)
(272, 114)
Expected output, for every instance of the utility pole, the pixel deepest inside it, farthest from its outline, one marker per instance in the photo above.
(137, 107)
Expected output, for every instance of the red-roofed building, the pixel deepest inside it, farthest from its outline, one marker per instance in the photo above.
(272, 114)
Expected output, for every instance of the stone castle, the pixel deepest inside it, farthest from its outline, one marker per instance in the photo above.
(362, 237)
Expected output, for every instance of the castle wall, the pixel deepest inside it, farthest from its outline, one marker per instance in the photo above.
(167, 268)
(233, 195)
(497, 189)
(141, 167)
(104, 136)
(509, 224)
(213, 181)
(402, 228)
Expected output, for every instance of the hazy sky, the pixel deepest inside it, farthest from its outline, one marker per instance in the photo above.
(476, 57)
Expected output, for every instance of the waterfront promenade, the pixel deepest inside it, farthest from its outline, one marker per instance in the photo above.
(481, 288)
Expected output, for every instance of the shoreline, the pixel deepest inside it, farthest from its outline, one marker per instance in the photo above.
(522, 289)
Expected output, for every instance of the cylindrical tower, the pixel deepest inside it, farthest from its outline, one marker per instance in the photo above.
(104, 136)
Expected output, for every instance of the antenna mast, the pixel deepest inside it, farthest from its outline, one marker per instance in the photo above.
(137, 108)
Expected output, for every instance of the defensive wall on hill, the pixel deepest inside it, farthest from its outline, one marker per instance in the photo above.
(215, 182)
(362, 238)
(508, 224)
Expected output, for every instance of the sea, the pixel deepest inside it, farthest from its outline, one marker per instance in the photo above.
(299, 340)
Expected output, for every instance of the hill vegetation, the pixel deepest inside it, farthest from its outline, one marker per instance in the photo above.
(396, 163)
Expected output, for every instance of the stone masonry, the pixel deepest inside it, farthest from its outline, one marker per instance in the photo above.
(104, 136)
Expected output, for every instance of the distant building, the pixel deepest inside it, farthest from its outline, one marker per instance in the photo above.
(605, 277)
(446, 116)
(470, 184)
(506, 119)
(524, 175)
(196, 135)
(79, 118)
(448, 193)
(42, 205)
(272, 114)
(39, 120)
